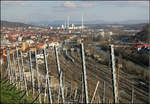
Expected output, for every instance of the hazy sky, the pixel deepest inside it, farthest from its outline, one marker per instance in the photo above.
(27, 11)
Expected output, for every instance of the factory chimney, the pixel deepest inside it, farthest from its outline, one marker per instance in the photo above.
(82, 22)
(65, 24)
(68, 22)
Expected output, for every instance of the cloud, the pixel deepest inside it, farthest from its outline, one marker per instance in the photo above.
(19, 3)
(86, 5)
(126, 3)
(70, 4)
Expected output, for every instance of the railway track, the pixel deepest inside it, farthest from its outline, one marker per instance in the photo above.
(125, 84)
(123, 77)
(92, 73)
(96, 71)
(77, 70)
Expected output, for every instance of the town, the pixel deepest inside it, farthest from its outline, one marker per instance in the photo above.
(68, 41)
(71, 54)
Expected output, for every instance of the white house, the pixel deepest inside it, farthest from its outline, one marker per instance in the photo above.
(52, 44)
(29, 41)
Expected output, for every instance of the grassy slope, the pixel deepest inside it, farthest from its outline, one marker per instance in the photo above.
(11, 97)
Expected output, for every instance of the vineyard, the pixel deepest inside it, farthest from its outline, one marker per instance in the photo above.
(65, 77)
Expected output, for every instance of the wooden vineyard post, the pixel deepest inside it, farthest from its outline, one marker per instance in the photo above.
(59, 95)
(8, 68)
(45, 89)
(75, 94)
(25, 81)
(37, 71)
(32, 72)
(84, 74)
(132, 94)
(15, 73)
(95, 92)
(99, 100)
(82, 90)
(47, 77)
(104, 92)
(59, 74)
(19, 70)
(115, 91)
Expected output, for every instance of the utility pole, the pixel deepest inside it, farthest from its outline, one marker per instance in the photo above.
(32, 72)
(94, 92)
(59, 74)
(84, 74)
(47, 78)
(37, 71)
(115, 91)
(25, 81)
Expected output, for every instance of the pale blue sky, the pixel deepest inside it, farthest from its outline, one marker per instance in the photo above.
(27, 11)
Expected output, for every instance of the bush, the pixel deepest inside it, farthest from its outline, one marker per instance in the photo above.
(11, 97)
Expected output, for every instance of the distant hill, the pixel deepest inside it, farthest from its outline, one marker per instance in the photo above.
(134, 26)
(59, 22)
(143, 35)
(14, 24)
(133, 22)
(123, 26)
